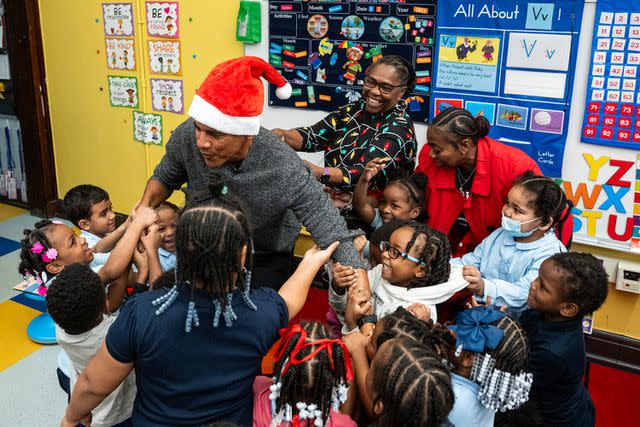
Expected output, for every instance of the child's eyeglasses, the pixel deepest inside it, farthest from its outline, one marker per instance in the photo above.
(395, 253)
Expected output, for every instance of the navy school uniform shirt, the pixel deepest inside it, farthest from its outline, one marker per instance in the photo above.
(197, 377)
(557, 360)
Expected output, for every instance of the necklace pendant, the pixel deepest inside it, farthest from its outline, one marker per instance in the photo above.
(465, 194)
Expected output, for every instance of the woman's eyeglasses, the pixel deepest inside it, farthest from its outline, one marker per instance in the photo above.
(395, 253)
(385, 88)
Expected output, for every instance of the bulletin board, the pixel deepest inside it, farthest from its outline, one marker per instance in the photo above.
(325, 48)
(511, 61)
(612, 114)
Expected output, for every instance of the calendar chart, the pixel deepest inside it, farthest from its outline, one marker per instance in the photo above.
(612, 112)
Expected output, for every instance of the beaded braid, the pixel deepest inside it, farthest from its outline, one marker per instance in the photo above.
(436, 254)
(403, 324)
(501, 372)
(313, 380)
(31, 264)
(414, 386)
(211, 232)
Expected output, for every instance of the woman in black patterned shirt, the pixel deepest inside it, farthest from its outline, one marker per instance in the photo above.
(374, 127)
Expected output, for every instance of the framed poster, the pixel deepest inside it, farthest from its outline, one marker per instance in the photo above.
(167, 95)
(118, 19)
(162, 19)
(120, 53)
(147, 128)
(164, 56)
(123, 91)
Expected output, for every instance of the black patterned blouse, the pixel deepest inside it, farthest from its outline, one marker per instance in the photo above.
(351, 137)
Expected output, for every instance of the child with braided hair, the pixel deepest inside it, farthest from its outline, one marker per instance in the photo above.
(200, 369)
(505, 263)
(415, 269)
(489, 362)
(409, 385)
(313, 371)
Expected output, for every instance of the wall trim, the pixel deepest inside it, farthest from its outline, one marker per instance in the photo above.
(613, 350)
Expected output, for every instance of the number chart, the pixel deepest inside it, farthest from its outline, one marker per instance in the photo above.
(612, 112)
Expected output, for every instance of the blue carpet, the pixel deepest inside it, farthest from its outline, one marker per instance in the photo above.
(8, 245)
(36, 304)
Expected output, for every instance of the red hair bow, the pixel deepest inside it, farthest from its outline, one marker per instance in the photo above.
(287, 334)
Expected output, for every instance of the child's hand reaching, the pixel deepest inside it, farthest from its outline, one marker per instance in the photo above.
(140, 259)
(344, 277)
(152, 239)
(319, 257)
(472, 275)
(420, 311)
(474, 303)
(373, 167)
(360, 242)
(145, 216)
(358, 305)
(356, 341)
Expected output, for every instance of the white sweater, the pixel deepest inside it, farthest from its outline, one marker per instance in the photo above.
(386, 298)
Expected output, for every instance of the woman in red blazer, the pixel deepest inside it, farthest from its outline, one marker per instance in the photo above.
(469, 175)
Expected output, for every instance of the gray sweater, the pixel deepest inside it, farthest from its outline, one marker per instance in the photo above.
(276, 186)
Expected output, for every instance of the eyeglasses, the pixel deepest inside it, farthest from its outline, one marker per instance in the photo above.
(395, 253)
(385, 88)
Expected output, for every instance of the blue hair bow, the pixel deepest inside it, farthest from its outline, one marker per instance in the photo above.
(474, 331)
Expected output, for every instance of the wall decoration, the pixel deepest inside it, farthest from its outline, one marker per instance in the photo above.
(123, 91)
(606, 195)
(162, 19)
(120, 53)
(164, 56)
(147, 128)
(118, 19)
(612, 112)
(167, 95)
(514, 58)
(325, 49)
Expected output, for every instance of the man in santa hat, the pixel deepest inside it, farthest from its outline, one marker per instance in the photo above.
(224, 136)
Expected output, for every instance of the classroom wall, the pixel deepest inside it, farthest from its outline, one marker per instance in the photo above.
(93, 142)
(621, 312)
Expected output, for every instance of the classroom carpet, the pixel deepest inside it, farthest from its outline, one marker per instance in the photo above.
(31, 395)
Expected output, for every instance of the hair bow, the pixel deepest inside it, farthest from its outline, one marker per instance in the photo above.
(474, 330)
(320, 344)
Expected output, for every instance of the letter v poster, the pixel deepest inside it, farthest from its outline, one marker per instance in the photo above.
(511, 61)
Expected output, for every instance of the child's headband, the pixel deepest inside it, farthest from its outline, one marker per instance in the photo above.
(474, 329)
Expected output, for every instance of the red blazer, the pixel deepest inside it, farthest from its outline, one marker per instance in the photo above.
(497, 166)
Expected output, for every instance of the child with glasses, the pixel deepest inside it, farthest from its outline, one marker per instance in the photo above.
(415, 273)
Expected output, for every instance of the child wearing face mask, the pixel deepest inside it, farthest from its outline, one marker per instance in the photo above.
(505, 263)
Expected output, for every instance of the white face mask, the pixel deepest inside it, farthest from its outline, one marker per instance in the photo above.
(514, 228)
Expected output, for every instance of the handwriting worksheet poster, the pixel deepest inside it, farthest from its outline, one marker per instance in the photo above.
(511, 61)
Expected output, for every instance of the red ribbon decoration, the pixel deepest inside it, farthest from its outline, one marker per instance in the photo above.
(321, 344)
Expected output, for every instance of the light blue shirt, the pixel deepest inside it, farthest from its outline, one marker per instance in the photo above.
(508, 267)
(168, 259)
(467, 410)
(99, 259)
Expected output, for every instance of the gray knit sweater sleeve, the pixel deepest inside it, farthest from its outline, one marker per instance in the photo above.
(313, 208)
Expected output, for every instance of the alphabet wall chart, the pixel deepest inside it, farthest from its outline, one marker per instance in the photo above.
(325, 48)
(606, 195)
(512, 62)
(612, 112)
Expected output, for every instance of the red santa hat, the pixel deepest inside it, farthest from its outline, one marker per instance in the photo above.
(230, 99)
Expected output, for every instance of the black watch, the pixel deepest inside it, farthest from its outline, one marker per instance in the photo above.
(367, 318)
(325, 177)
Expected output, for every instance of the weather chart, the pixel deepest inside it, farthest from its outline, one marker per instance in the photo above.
(325, 48)
(612, 112)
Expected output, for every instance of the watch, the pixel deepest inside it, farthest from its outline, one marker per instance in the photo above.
(326, 176)
(367, 318)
